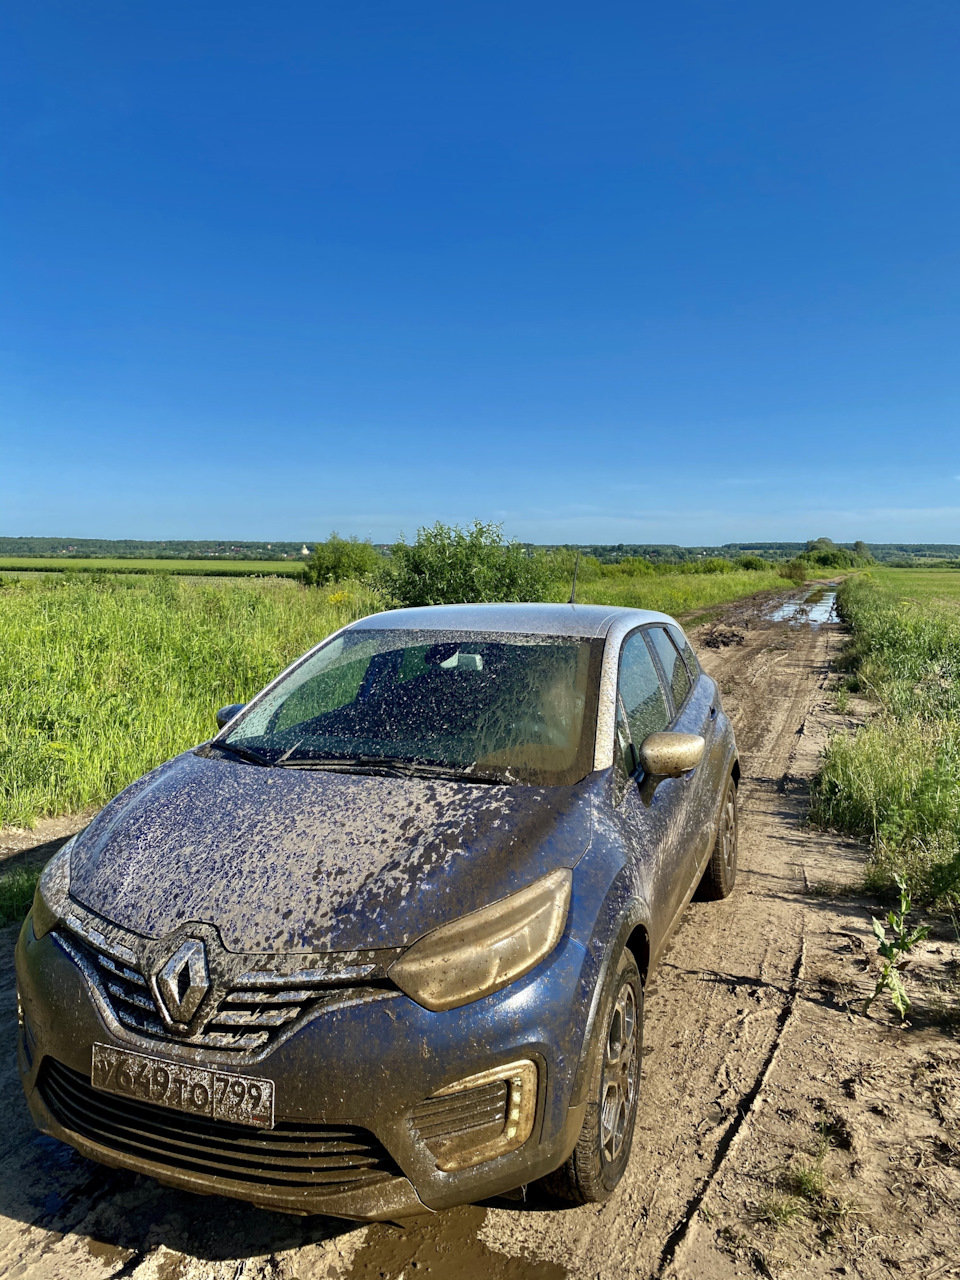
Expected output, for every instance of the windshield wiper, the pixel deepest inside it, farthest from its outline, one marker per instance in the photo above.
(252, 757)
(386, 765)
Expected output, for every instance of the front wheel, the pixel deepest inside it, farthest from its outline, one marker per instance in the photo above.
(599, 1159)
(721, 874)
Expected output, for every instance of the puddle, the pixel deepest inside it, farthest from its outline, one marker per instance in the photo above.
(818, 607)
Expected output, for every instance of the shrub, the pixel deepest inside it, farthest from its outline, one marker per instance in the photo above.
(754, 563)
(628, 567)
(794, 570)
(339, 559)
(451, 565)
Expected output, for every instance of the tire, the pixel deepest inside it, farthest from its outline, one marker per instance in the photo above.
(597, 1163)
(721, 873)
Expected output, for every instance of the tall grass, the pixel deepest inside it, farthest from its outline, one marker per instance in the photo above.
(676, 593)
(102, 679)
(100, 682)
(897, 781)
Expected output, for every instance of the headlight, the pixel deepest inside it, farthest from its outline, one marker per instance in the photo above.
(53, 891)
(487, 949)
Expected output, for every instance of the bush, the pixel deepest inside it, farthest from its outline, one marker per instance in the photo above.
(754, 563)
(450, 565)
(823, 553)
(794, 570)
(341, 559)
(628, 567)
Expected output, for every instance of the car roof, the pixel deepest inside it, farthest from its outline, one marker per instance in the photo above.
(586, 620)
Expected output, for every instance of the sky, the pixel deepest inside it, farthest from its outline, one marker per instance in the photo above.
(683, 272)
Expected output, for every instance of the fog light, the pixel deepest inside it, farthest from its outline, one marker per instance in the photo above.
(481, 1117)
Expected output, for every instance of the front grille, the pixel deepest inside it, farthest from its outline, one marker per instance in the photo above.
(318, 1156)
(461, 1121)
(245, 1019)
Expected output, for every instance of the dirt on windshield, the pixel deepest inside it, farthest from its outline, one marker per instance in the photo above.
(780, 1132)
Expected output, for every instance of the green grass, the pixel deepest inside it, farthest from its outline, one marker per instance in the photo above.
(101, 681)
(190, 568)
(922, 586)
(676, 593)
(896, 783)
(104, 677)
(16, 892)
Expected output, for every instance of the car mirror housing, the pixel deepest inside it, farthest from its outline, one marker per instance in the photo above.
(226, 714)
(668, 755)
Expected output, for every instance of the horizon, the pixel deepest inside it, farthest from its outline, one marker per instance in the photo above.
(70, 544)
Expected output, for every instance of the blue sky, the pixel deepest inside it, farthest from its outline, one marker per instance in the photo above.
(618, 272)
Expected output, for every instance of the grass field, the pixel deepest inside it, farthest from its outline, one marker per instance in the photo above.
(896, 783)
(677, 593)
(203, 568)
(922, 586)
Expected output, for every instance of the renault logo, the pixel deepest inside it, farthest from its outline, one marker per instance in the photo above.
(184, 980)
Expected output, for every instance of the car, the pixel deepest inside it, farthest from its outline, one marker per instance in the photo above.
(380, 946)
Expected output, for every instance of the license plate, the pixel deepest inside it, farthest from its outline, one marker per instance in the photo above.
(221, 1095)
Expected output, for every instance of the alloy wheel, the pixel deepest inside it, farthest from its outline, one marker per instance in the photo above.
(728, 832)
(620, 1072)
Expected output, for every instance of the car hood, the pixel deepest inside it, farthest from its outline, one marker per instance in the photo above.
(283, 860)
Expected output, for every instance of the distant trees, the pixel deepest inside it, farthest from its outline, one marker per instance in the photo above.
(823, 553)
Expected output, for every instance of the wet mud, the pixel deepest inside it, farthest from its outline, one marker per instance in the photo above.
(448, 1248)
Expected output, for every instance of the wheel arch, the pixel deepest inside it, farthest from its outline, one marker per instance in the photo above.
(631, 934)
(638, 942)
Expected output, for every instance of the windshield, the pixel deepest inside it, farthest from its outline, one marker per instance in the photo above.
(508, 708)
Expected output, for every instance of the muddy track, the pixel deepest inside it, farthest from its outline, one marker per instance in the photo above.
(749, 1043)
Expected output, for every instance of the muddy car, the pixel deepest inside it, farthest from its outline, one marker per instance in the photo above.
(379, 947)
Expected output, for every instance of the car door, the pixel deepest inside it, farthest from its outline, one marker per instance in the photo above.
(694, 711)
(650, 810)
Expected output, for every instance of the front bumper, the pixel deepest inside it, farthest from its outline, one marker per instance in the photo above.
(365, 1068)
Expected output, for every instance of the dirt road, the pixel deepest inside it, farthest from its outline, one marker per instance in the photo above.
(777, 1130)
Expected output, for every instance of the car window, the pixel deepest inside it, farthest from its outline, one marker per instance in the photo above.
(517, 707)
(640, 690)
(669, 655)
(683, 644)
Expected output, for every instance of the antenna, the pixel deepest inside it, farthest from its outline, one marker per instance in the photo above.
(573, 589)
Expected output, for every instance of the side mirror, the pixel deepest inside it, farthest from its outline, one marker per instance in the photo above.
(226, 714)
(668, 755)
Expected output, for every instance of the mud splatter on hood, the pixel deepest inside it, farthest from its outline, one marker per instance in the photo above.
(284, 860)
